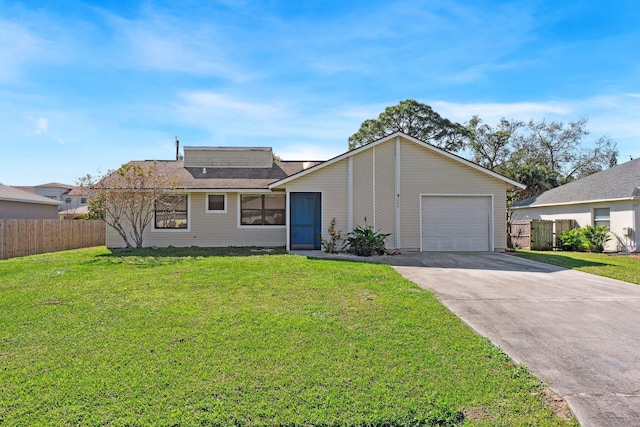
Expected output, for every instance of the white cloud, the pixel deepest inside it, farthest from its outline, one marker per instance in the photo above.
(39, 127)
(614, 115)
(492, 112)
(18, 48)
(164, 42)
(221, 105)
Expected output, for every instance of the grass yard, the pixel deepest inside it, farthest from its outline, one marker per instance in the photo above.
(620, 267)
(193, 337)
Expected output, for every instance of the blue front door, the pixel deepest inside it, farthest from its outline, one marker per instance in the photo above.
(305, 220)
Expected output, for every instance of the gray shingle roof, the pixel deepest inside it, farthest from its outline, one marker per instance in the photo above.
(619, 182)
(15, 195)
(229, 178)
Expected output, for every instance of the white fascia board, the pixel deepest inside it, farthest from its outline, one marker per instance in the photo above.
(37, 202)
(390, 137)
(226, 190)
(580, 202)
(210, 148)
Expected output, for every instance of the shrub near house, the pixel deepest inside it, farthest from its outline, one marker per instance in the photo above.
(585, 239)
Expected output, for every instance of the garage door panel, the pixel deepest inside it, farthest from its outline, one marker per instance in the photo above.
(456, 223)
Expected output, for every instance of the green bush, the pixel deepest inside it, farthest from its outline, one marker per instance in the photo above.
(585, 239)
(365, 241)
(571, 240)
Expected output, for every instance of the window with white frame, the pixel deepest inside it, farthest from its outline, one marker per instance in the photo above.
(262, 209)
(217, 203)
(601, 216)
(171, 212)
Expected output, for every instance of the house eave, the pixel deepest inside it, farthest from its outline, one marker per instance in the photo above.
(225, 190)
(37, 202)
(577, 202)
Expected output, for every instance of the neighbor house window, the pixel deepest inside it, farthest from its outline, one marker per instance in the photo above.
(171, 212)
(601, 217)
(216, 203)
(262, 209)
(83, 200)
(68, 200)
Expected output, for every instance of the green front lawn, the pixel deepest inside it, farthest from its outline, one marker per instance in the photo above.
(90, 337)
(620, 267)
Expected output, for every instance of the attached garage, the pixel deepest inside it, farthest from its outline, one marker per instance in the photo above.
(425, 198)
(456, 223)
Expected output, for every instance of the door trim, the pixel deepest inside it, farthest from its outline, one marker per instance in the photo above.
(317, 223)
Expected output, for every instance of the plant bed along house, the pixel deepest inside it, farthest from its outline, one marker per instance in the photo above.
(178, 337)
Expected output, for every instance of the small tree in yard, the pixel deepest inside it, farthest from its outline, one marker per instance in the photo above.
(126, 198)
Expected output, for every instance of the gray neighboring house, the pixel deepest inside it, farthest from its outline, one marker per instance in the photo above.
(19, 204)
(72, 197)
(610, 197)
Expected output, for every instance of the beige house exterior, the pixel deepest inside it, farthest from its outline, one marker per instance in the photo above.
(426, 198)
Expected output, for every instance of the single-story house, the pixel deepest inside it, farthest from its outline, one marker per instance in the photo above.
(18, 204)
(609, 197)
(427, 199)
(72, 197)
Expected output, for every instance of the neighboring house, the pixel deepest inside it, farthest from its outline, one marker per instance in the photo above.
(75, 213)
(75, 201)
(18, 204)
(609, 197)
(427, 198)
(72, 197)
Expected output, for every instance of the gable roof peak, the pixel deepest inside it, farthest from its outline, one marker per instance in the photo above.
(390, 137)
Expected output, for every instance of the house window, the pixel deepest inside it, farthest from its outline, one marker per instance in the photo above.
(217, 203)
(68, 200)
(601, 217)
(172, 212)
(83, 200)
(262, 209)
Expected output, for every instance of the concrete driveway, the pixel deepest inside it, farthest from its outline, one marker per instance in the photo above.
(578, 332)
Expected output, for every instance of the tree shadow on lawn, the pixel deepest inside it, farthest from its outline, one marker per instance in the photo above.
(468, 261)
(194, 251)
(565, 261)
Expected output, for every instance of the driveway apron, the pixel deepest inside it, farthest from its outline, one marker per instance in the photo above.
(578, 332)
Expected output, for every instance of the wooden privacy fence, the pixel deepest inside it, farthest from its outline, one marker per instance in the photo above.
(20, 237)
(537, 234)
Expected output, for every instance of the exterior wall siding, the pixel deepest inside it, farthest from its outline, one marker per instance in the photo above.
(385, 155)
(331, 181)
(426, 172)
(209, 229)
(20, 210)
(363, 188)
(262, 158)
(622, 214)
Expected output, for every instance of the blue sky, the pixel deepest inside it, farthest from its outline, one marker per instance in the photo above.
(88, 86)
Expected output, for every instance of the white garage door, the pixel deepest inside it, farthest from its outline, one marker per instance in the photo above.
(456, 223)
